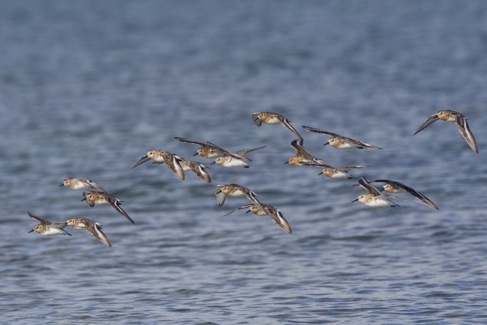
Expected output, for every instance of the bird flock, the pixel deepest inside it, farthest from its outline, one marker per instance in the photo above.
(373, 197)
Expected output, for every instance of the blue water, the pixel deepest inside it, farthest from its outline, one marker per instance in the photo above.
(88, 87)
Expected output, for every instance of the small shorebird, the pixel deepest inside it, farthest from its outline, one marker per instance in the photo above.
(268, 210)
(206, 150)
(47, 228)
(397, 187)
(459, 119)
(341, 142)
(302, 156)
(93, 198)
(235, 190)
(274, 118)
(231, 160)
(78, 183)
(374, 198)
(90, 225)
(197, 168)
(161, 157)
(335, 172)
(211, 150)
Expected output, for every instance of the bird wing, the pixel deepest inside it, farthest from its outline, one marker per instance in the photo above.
(433, 118)
(462, 125)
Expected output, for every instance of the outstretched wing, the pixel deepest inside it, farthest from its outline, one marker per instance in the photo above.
(433, 118)
(462, 125)
(320, 131)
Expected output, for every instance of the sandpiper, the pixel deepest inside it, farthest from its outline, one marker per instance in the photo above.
(78, 183)
(211, 150)
(161, 157)
(90, 225)
(302, 155)
(341, 142)
(274, 118)
(270, 211)
(93, 198)
(197, 168)
(235, 190)
(231, 160)
(459, 119)
(397, 187)
(374, 198)
(47, 228)
(335, 172)
(206, 150)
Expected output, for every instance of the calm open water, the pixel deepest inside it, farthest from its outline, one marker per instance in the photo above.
(88, 87)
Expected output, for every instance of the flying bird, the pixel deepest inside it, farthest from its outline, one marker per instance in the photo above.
(459, 119)
(161, 157)
(274, 118)
(374, 198)
(47, 228)
(235, 190)
(397, 187)
(302, 156)
(93, 198)
(92, 226)
(78, 183)
(341, 142)
(270, 211)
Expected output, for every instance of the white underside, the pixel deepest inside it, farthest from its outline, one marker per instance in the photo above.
(339, 175)
(234, 163)
(53, 232)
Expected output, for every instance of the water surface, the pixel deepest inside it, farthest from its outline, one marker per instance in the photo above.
(87, 88)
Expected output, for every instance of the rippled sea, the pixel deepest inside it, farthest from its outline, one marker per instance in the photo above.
(88, 87)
